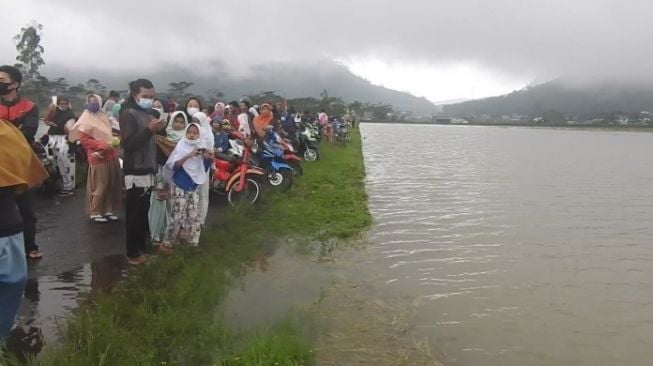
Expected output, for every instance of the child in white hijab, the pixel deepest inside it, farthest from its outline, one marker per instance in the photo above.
(186, 170)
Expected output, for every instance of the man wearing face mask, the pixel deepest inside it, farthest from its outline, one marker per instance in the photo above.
(23, 114)
(137, 130)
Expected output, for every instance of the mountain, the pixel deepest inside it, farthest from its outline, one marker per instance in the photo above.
(293, 81)
(450, 101)
(564, 98)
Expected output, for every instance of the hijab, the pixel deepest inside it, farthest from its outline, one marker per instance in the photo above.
(262, 121)
(19, 166)
(174, 135)
(194, 166)
(206, 132)
(95, 124)
(219, 111)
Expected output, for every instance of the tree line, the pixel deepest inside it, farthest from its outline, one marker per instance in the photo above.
(40, 89)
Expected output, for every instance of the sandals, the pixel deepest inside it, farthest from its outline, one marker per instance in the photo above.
(136, 261)
(34, 255)
(165, 249)
(99, 219)
(111, 217)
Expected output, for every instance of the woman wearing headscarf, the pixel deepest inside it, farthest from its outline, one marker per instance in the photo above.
(232, 110)
(218, 113)
(207, 141)
(60, 118)
(185, 171)
(263, 120)
(104, 179)
(20, 170)
(160, 202)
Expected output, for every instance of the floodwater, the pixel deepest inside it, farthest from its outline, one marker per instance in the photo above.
(517, 246)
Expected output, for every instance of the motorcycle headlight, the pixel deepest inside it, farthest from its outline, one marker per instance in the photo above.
(254, 148)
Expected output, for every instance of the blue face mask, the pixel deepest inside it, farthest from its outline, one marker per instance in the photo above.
(93, 107)
(145, 103)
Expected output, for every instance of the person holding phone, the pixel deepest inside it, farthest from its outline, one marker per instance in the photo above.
(137, 138)
(186, 171)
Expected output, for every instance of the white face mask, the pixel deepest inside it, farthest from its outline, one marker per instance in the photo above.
(192, 110)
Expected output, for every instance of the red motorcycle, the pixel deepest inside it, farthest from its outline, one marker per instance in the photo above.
(240, 181)
(290, 156)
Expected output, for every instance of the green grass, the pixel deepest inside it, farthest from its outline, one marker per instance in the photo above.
(167, 313)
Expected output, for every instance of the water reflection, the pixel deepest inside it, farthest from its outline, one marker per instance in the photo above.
(524, 246)
(50, 300)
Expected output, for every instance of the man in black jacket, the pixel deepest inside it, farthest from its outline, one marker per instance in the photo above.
(23, 114)
(137, 132)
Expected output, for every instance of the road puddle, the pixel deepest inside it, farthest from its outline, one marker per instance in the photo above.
(49, 301)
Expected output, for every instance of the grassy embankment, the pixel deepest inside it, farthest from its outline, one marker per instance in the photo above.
(167, 313)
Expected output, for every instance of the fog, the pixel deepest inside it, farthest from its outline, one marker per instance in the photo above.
(581, 40)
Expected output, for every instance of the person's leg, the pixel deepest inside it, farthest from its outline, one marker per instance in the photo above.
(132, 222)
(24, 203)
(60, 151)
(193, 223)
(113, 196)
(178, 202)
(93, 192)
(68, 156)
(13, 274)
(143, 224)
(204, 201)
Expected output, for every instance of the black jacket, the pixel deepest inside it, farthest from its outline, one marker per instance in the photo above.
(137, 140)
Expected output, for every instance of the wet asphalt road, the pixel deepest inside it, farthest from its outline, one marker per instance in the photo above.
(79, 258)
(68, 239)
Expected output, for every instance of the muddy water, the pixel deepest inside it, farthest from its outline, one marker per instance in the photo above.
(518, 246)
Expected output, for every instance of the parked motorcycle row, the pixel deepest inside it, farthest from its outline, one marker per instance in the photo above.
(274, 161)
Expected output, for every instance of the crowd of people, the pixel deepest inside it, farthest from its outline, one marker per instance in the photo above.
(151, 155)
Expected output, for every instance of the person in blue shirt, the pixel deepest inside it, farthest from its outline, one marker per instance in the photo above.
(220, 136)
(221, 130)
(186, 170)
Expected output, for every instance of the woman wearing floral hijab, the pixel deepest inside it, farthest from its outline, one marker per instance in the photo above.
(103, 183)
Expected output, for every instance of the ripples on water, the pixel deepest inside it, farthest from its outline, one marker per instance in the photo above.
(526, 246)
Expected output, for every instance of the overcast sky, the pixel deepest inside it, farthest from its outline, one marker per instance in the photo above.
(435, 48)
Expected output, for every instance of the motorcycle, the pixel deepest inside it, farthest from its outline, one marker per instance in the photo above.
(291, 157)
(237, 178)
(279, 172)
(342, 133)
(308, 145)
(313, 130)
